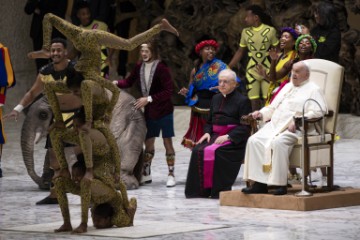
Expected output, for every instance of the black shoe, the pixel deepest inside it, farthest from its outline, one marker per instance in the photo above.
(256, 188)
(47, 200)
(281, 191)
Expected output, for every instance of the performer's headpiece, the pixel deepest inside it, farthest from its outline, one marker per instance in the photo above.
(205, 43)
(291, 31)
(311, 39)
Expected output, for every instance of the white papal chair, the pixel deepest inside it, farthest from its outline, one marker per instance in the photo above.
(319, 152)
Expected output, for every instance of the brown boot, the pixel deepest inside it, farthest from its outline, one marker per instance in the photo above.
(146, 177)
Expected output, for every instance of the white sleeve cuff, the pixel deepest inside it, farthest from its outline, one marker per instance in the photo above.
(19, 108)
(149, 98)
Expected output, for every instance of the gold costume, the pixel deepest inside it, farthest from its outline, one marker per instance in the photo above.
(99, 190)
(94, 97)
(98, 193)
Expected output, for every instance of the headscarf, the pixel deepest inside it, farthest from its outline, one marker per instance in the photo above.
(205, 43)
(291, 31)
(311, 39)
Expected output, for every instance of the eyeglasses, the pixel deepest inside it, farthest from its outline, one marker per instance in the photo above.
(223, 81)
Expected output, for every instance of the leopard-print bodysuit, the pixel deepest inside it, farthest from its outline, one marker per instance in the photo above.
(98, 193)
(101, 189)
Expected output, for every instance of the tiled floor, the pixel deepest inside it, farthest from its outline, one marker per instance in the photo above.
(156, 203)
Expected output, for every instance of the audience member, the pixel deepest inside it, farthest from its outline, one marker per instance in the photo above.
(305, 47)
(256, 39)
(326, 32)
(38, 8)
(125, 12)
(217, 157)
(154, 80)
(100, 10)
(268, 150)
(87, 22)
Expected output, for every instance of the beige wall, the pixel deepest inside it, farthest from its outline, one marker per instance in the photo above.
(14, 34)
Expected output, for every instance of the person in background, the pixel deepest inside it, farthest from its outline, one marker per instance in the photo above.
(305, 48)
(7, 80)
(326, 32)
(87, 22)
(256, 39)
(38, 8)
(281, 64)
(100, 10)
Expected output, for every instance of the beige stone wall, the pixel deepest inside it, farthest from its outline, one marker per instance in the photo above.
(14, 34)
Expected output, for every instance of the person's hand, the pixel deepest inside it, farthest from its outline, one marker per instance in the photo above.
(89, 176)
(117, 177)
(206, 137)
(261, 70)
(214, 88)
(292, 127)
(183, 91)
(141, 102)
(301, 29)
(61, 173)
(256, 115)
(221, 139)
(273, 53)
(13, 114)
(56, 124)
(108, 62)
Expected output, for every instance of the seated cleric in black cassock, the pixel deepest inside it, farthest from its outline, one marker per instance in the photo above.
(217, 157)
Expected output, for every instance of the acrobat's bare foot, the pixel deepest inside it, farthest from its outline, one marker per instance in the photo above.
(66, 227)
(131, 210)
(39, 54)
(81, 228)
(166, 26)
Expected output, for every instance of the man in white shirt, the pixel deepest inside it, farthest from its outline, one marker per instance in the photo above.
(267, 151)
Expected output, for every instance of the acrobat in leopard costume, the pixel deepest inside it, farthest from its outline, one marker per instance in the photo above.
(101, 189)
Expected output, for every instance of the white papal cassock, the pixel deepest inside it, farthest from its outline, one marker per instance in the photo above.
(273, 143)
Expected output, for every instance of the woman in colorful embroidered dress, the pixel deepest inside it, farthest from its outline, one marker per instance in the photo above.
(202, 87)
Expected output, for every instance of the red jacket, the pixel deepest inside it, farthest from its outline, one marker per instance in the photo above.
(161, 90)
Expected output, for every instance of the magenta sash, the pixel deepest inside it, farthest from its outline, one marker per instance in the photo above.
(209, 154)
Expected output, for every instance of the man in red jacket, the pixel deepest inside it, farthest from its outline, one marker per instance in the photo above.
(154, 80)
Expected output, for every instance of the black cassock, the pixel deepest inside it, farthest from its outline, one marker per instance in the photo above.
(224, 110)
